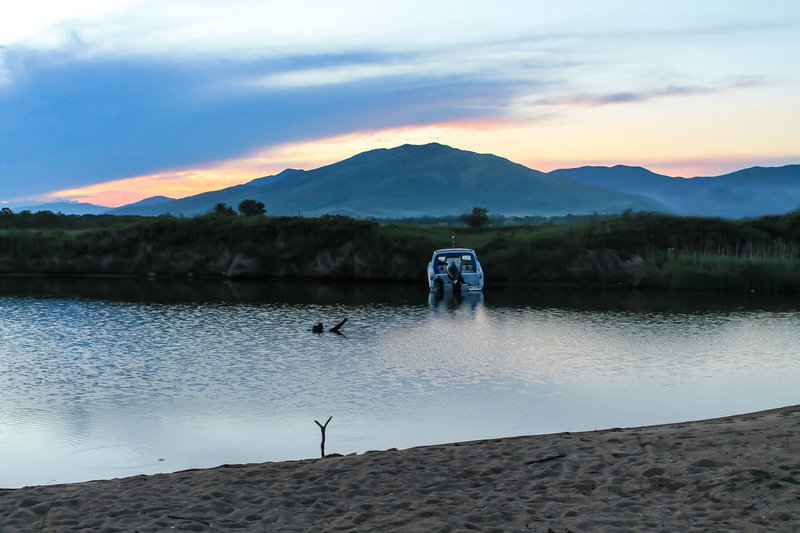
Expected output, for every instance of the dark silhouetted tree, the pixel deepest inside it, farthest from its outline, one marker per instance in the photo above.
(251, 208)
(477, 218)
(222, 209)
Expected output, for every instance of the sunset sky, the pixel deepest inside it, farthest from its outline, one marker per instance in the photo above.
(113, 101)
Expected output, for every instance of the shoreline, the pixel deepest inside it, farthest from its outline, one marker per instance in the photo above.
(734, 473)
(384, 282)
(317, 279)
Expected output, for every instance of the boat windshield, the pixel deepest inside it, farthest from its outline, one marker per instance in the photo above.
(466, 260)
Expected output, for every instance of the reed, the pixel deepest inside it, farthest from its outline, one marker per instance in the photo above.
(644, 250)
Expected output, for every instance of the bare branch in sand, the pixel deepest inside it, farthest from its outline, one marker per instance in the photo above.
(322, 428)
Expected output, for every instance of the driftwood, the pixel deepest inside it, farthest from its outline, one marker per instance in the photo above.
(318, 328)
(322, 428)
(44, 518)
(335, 329)
(202, 521)
(546, 459)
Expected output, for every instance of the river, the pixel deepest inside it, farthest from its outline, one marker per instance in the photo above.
(109, 378)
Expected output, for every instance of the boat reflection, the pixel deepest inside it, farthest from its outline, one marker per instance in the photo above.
(448, 302)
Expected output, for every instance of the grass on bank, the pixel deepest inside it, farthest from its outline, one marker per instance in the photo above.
(635, 250)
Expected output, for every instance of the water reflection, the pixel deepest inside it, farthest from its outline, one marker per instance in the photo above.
(199, 290)
(118, 377)
(362, 293)
(448, 303)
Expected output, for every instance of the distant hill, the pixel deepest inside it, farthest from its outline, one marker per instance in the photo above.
(258, 182)
(416, 180)
(66, 208)
(751, 192)
(205, 202)
(437, 180)
(754, 191)
(132, 209)
(633, 180)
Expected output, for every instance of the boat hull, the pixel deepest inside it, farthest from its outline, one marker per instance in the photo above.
(455, 270)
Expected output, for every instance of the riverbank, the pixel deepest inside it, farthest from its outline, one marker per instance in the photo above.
(738, 473)
(642, 250)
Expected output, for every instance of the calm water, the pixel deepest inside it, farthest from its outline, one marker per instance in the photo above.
(104, 379)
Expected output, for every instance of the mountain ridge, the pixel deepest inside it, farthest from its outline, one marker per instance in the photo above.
(750, 192)
(438, 180)
(419, 180)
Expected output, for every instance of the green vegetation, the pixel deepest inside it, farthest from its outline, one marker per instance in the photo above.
(50, 220)
(644, 250)
(222, 209)
(477, 218)
(252, 208)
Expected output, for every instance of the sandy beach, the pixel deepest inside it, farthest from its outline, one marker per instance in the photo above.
(738, 473)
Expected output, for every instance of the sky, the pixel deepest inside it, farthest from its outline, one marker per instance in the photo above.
(109, 102)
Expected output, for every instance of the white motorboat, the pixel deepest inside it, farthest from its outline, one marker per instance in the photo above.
(455, 269)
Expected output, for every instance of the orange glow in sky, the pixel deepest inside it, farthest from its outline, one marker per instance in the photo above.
(198, 96)
(302, 155)
(605, 135)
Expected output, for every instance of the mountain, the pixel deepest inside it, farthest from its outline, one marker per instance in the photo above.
(258, 182)
(205, 202)
(415, 180)
(133, 209)
(65, 207)
(634, 180)
(750, 192)
(753, 191)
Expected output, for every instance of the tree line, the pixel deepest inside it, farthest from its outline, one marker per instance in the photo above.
(477, 218)
(46, 219)
(640, 250)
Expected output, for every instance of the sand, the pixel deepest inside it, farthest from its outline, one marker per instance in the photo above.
(738, 473)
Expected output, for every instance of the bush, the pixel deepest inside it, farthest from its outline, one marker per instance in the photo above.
(477, 218)
(252, 208)
(637, 250)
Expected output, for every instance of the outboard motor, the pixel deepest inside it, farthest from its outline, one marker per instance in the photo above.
(438, 284)
(454, 273)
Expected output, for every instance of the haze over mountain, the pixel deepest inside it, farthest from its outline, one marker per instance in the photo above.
(415, 180)
(133, 209)
(750, 192)
(433, 179)
(64, 207)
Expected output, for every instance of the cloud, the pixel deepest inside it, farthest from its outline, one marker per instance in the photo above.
(645, 95)
(70, 121)
(144, 88)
